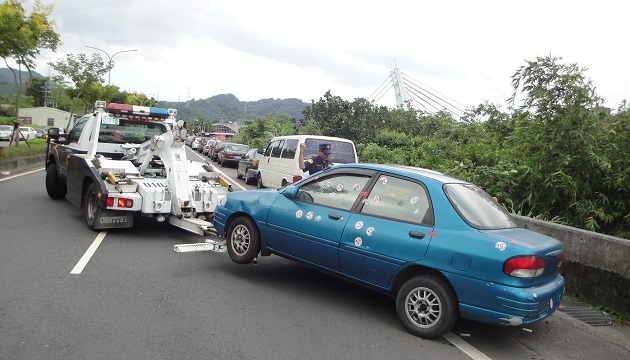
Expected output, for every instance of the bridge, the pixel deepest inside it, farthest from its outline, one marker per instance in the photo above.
(411, 93)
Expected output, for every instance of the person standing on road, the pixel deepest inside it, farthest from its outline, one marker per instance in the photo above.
(318, 162)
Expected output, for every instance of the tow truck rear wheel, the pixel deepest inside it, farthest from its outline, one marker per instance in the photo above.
(54, 186)
(243, 240)
(90, 207)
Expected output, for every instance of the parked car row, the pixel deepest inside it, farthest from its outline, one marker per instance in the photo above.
(26, 133)
(227, 153)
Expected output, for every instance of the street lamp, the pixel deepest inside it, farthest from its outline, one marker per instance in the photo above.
(110, 60)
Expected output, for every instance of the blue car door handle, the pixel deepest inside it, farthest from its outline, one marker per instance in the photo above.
(334, 216)
(416, 234)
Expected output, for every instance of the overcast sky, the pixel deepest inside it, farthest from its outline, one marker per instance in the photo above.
(466, 50)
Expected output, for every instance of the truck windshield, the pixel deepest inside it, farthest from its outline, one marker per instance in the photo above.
(117, 130)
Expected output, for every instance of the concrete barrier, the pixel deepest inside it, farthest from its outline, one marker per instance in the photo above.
(597, 266)
(22, 164)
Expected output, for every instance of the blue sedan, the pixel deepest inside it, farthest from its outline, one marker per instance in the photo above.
(442, 247)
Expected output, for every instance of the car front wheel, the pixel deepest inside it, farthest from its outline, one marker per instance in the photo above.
(243, 240)
(427, 306)
(55, 187)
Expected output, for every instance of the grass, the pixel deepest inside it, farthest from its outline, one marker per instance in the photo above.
(37, 147)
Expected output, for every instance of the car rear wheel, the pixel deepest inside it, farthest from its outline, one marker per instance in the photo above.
(427, 306)
(259, 183)
(90, 207)
(243, 240)
(54, 186)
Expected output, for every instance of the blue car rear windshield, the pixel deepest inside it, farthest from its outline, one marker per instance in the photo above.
(478, 208)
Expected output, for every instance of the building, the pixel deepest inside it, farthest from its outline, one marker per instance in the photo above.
(44, 116)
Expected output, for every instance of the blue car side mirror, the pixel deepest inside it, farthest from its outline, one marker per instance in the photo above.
(290, 191)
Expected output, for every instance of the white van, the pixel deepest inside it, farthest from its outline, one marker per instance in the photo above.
(279, 165)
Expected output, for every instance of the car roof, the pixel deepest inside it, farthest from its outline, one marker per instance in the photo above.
(405, 170)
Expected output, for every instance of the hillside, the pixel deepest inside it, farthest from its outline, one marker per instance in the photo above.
(225, 106)
(7, 81)
(229, 108)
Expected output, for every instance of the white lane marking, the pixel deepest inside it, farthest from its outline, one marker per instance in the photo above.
(78, 268)
(20, 174)
(234, 182)
(465, 347)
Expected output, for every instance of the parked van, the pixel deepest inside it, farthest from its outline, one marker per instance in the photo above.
(279, 165)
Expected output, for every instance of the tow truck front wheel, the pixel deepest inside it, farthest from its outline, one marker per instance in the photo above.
(243, 240)
(54, 186)
(90, 207)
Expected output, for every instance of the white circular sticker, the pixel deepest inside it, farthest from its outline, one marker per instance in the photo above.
(317, 218)
(384, 180)
(369, 231)
(309, 215)
(339, 187)
(298, 214)
(356, 187)
(358, 241)
(377, 198)
(358, 225)
(414, 200)
(327, 183)
(500, 245)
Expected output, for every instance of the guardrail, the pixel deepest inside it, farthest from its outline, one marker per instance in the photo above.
(597, 266)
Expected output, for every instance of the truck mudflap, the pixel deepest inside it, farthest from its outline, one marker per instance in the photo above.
(107, 219)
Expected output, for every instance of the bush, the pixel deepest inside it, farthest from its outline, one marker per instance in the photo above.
(37, 147)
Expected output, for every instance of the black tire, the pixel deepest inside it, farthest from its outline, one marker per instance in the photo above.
(54, 186)
(243, 240)
(90, 206)
(238, 174)
(259, 183)
(427, 306)
(222, 162)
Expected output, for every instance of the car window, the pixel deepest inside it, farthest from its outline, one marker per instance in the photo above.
(400, 199)
(235, 147)
(290, 147)
(75, 133)
(338, 190)
(342, 151)
(276, 148)
(478, 208)
(5, 127)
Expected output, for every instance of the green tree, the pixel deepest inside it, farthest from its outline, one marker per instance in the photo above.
(141, 99)
(84, 73)
(566, 143)
(37, 91)
(22, 37)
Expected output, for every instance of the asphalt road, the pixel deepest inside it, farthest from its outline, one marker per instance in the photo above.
(137, 299)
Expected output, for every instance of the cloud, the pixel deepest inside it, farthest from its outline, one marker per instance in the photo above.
(292, 49)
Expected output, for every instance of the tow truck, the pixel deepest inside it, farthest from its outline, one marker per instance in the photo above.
(124, 160)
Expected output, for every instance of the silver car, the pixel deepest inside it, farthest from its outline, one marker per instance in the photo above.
(5, 132)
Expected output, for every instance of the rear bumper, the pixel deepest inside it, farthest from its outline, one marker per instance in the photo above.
(505, 305)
